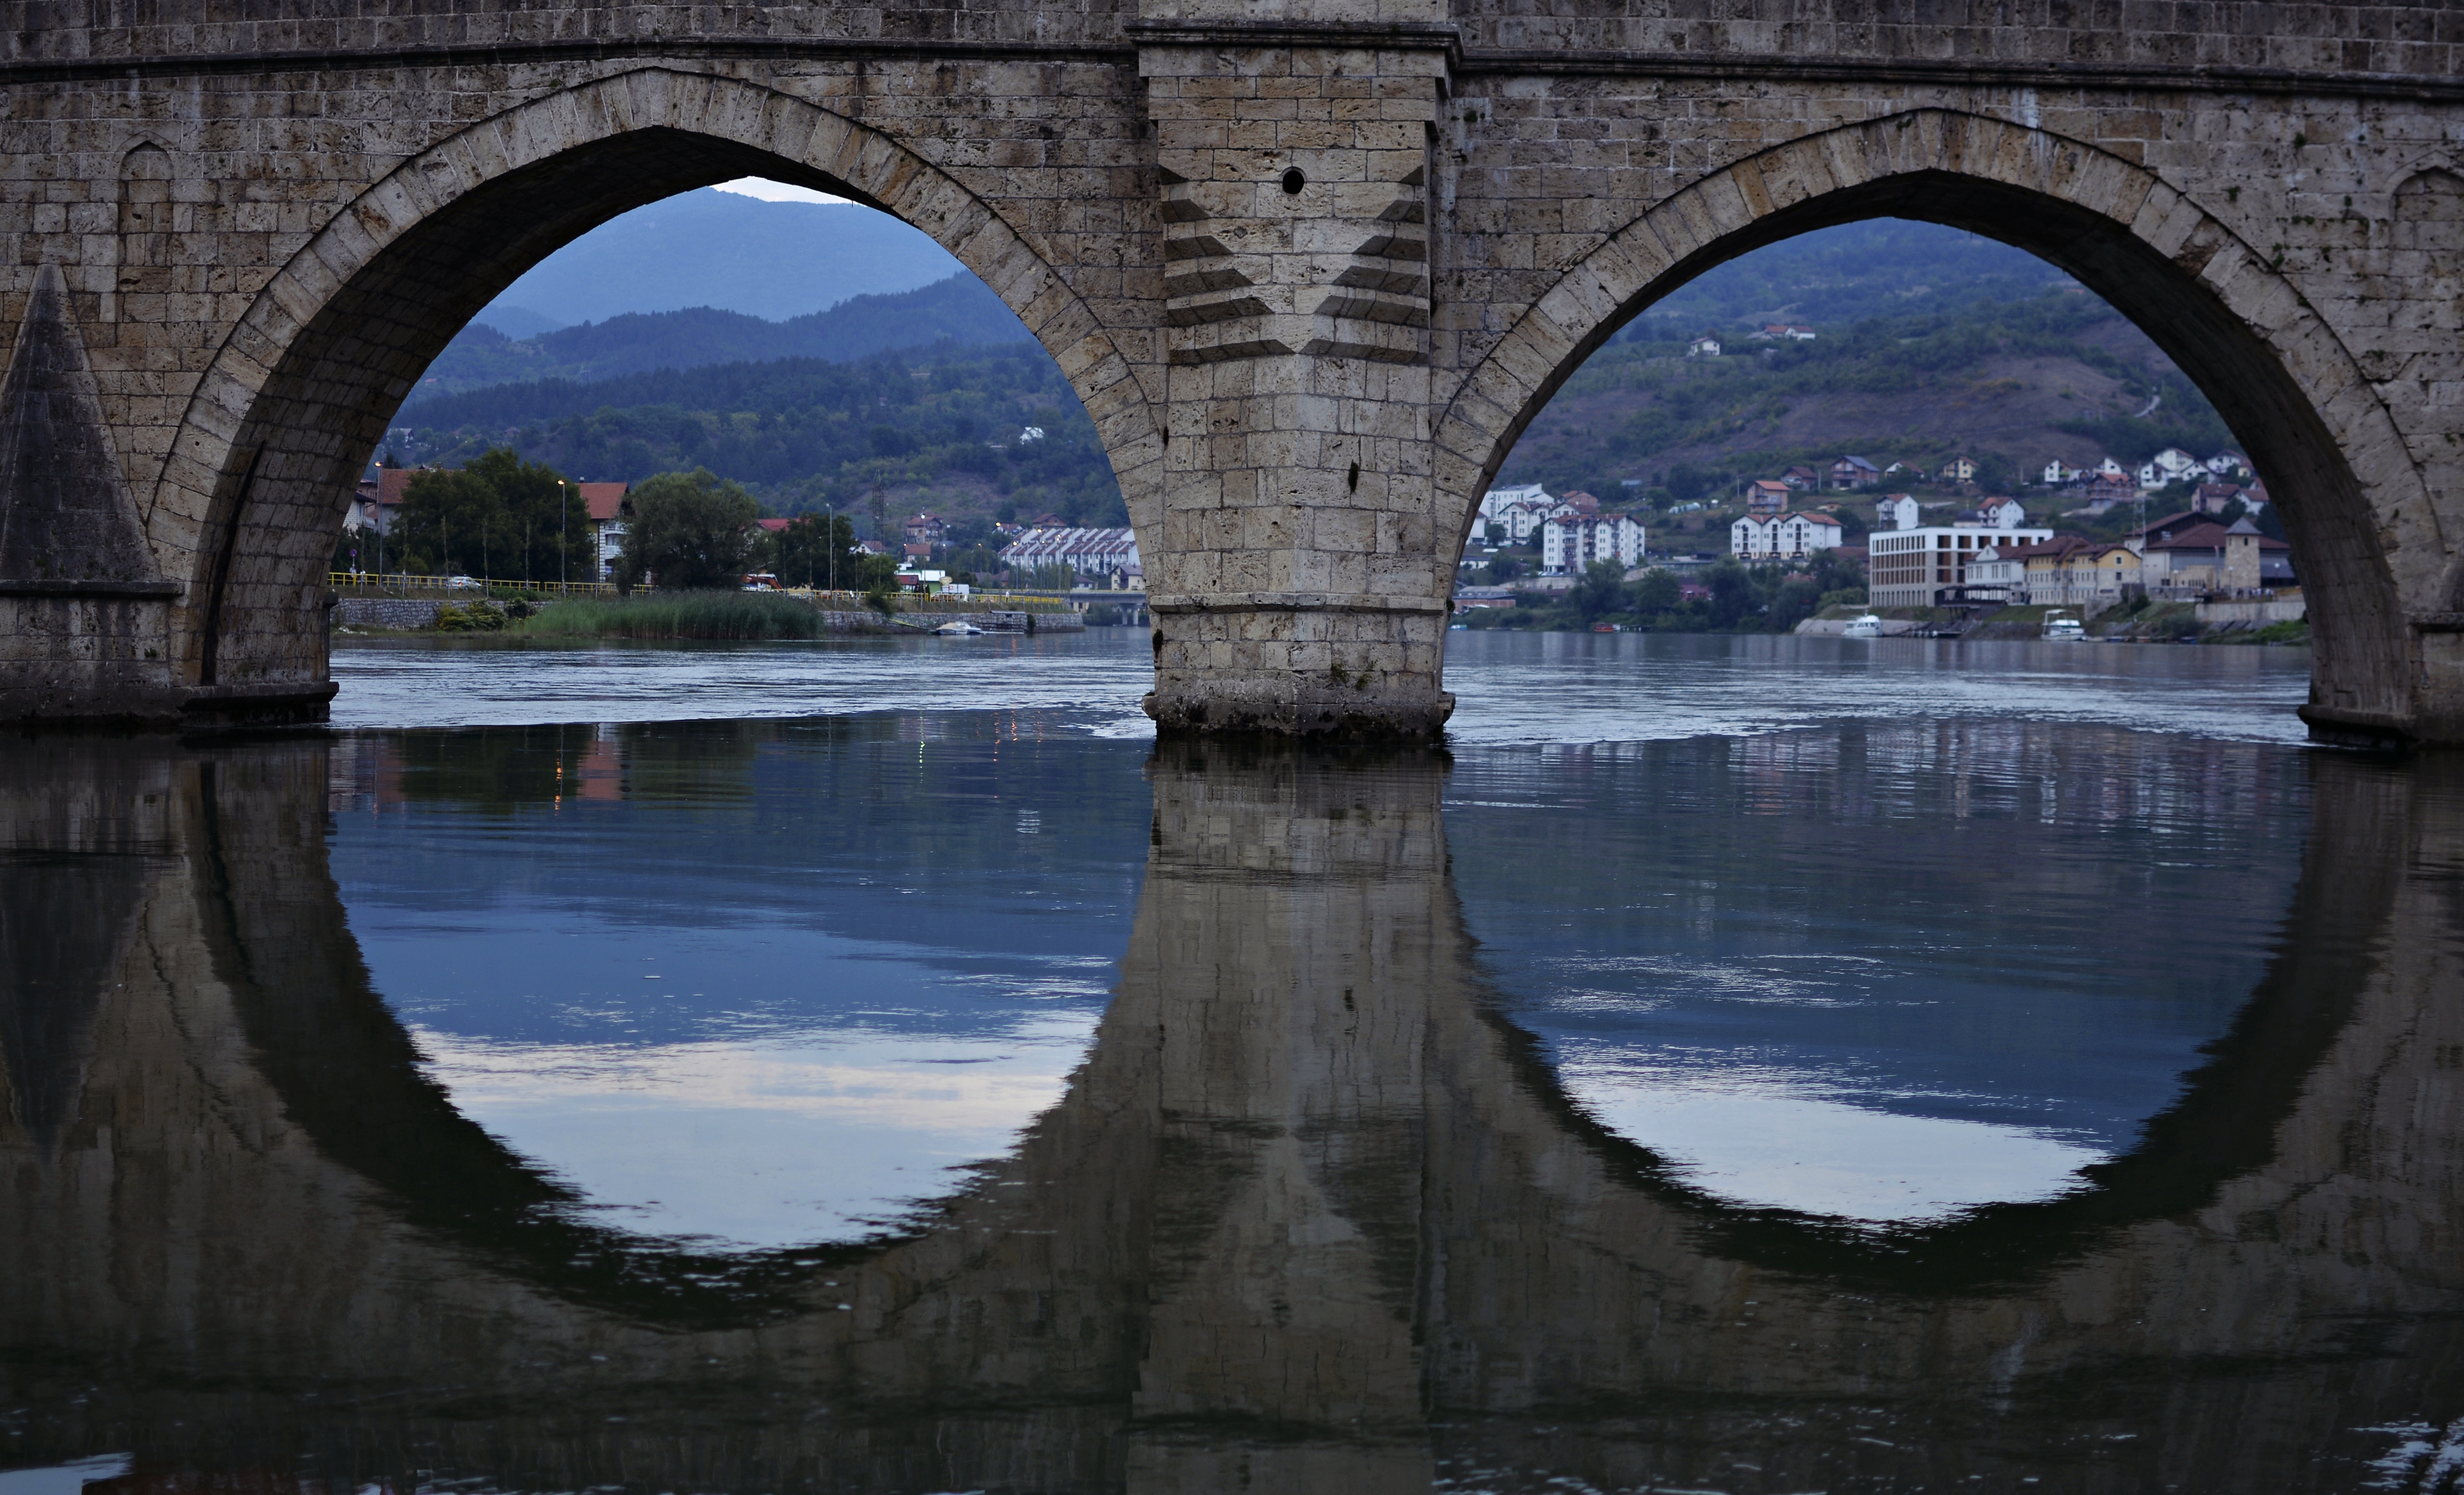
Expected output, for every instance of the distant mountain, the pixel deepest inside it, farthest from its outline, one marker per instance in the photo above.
(709, 247)
(1884, 267)
(960, 309)
(518, 321)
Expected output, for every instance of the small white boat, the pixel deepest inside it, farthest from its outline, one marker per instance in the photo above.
(957, 630)
(1865, 627)
(2060, 627)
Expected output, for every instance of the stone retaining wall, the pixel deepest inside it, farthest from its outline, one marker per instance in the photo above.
(394, 612)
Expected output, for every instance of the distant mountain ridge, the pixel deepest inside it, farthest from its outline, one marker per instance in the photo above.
(708, 248)
(960, 309)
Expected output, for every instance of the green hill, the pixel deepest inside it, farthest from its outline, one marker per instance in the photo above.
(960, 309)
(941, 429)
(1929, 343)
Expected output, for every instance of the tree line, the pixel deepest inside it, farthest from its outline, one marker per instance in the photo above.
(1727, 598)
(502, 518)
(808, 434)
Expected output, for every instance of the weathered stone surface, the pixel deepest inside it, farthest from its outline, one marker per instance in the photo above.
(265, 231)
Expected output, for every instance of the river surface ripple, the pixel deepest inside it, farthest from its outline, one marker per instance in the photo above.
(1741, 1065)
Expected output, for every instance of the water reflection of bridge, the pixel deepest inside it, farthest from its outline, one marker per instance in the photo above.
(1310, 1216)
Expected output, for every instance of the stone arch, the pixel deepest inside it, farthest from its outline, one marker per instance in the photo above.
(247, 505)
(145, 218)
(2350, 494)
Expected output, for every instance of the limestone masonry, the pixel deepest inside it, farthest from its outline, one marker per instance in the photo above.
(1311, 265)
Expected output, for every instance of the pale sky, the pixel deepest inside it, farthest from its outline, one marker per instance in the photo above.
(770, 192)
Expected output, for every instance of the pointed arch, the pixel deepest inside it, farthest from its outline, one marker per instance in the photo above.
(247, 501)
(2355, 502)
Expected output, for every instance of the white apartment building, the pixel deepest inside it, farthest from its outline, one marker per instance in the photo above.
(1928, 566)
(1896, 511)
(1509, 514)
(1994, 513)
(1570, 543)
(1782, 536)
(2170, 466)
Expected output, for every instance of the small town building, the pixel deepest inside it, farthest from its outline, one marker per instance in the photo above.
(1896, 511)
(1085, 552)
(1959, 470)
(609, 513)
(2190, 553)
(1470, 599)
(2065, 571)
(928, 530)
(1571, 543)
(1767, 497)
(1994, 513)
(1928, 566)
(1852, 472)
(1705, 346)
(1782, 332)
(1783, 536)
(1804, 479)
(1507, 515)
(2169, 466)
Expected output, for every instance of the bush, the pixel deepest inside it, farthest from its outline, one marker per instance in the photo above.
(469, 618)
(680, 615)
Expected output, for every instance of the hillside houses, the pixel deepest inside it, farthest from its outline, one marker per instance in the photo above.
(1783, 536)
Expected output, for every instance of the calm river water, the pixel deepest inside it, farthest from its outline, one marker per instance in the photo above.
(1738, 1065)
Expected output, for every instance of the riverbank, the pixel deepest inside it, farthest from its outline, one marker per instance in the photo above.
(2149, 623)
(715, 616)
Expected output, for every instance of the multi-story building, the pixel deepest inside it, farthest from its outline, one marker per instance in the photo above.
(1783, 536)
(1109, 555)
(1571, 543)
(1928, 566)
(1849, 473)
(609, 511)
(1767, 497)
(1507, 515)
(2062, 572)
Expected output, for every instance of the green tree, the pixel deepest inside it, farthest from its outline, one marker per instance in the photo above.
(498, 517)
(1600, 592)
(814, 550)
(1732, 592)
(1657, 591)
(690, 531)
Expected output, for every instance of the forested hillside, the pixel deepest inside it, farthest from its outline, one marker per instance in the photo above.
(1956, 346)
(944, 429)
(960, 309)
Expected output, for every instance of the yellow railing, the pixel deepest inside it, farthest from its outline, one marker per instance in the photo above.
(392, 582)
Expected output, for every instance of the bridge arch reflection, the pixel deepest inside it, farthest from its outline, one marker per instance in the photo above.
(1312, 1208)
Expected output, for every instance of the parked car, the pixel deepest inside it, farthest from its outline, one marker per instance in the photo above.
(460, 583)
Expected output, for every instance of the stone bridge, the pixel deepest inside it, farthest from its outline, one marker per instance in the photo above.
(1311, 266)
(1311, 1215)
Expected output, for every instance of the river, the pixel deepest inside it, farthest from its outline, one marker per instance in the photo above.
(1750, 1065)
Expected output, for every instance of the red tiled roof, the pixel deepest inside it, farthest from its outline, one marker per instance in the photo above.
(603, 498)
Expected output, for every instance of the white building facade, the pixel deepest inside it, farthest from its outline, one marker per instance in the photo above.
(1507, 515)
(1571, 543)
(1928, 566)
(1104, 553)
(1782, 536)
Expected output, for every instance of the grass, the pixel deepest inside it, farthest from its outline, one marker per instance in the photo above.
(678, 615)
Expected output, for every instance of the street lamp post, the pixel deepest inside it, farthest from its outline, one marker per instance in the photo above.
(563, 536)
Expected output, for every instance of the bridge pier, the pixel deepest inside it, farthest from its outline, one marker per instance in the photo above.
(1300, 584)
